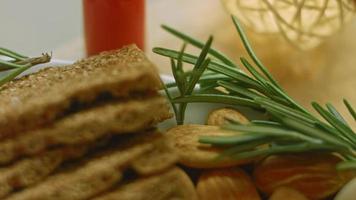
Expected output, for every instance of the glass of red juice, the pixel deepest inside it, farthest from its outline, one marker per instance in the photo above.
(112, 24)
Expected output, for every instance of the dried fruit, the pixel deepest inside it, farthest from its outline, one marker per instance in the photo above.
(222, 116)
(194, 154)
(284, 193)
(348, 192)
(226, 184)
(312, 174)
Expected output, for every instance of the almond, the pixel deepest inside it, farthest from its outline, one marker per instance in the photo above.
(284, 193)
(222, 116)
(194, 154)
(313, 174)
(348, 192)
(226, 184)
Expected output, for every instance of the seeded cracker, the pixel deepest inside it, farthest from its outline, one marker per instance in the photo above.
(96, 176)
(29, 171)
(86, 126)
(43, 97)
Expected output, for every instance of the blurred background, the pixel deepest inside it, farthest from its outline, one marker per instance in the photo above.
(325, 73)
(36, 26)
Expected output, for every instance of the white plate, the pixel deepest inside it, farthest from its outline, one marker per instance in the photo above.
(195, 114)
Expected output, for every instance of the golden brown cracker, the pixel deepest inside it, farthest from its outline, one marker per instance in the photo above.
(37, 99)
(88, 126)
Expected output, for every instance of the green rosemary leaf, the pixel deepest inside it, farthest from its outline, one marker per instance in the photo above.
(245, 92)
(5, 65)
(13, 74)
(253, 71)
(196, 75)
(251, 52)
(272, 131)
(30, 62)
(263, 152)
(308, 124)
(271, 105)
(351, 110)
(330, 130)
(181, 113)
(12, 54)
(240, 90)
(270, 92)
(205, 81)
(200, 45)
(214, 77)
(179, 77)
(264, 122)
(198, 70)
(174, 68)
(199, 66)
(232, 140)
(180, 72)
(340, 126)
(169, 96)
(313, 132)
(252, 145)
(236, 75)
(188, 58)
(277, 149)
(183, 82)
(208, 88)
(180, 63)
(216, 98)
(346, 165)
(337, 115)
(219, 68)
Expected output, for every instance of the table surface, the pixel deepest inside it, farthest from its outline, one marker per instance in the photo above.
(332, 82)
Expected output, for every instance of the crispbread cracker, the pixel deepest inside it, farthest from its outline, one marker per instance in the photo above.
(172, 184)
(31, 170)
(157, 159)
(45, 96)
(88, 126)
(97, 175)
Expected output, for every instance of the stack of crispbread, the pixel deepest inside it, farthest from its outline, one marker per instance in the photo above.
(86, 131)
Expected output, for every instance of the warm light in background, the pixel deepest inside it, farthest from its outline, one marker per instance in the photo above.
(305, 23)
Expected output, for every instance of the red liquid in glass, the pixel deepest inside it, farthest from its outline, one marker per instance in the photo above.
(111, 24)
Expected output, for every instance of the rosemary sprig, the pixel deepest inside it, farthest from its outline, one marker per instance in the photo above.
(290, 127)
(16, 63)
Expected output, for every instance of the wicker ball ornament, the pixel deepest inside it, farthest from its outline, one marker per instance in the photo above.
(304, 23)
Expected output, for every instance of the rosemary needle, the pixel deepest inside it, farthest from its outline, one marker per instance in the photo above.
(290, 128)
(18, 64)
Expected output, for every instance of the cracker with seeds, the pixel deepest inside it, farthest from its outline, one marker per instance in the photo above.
(29, 171)
(43, 97)
(88, 126)
(96, 175)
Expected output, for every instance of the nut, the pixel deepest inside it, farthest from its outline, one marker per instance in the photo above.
(194, 154)
(226, 184)
(348, 192)
(312, 174)
(284, 193)
(222, 116)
